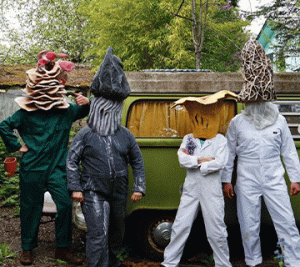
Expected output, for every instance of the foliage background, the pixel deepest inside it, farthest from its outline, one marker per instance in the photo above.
(283, 17)
(144, 34)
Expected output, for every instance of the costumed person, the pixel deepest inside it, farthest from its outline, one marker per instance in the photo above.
(258, 137)
(44, 122)
(203, 153)
(105, 148)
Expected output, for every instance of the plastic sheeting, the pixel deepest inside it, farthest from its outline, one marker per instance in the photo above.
(156, 118)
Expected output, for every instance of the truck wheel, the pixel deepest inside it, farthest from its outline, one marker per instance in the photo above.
(156, 236)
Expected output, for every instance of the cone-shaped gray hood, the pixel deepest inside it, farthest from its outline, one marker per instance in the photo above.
(110, 81)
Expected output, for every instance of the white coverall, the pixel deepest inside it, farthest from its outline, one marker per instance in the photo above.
(260, 173)
(202, 189)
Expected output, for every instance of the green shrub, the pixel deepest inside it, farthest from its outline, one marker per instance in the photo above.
(9, 186)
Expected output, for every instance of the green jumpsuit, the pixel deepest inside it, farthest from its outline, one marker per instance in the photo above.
(43, 167)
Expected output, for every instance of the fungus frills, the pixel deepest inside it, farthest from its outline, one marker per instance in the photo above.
(45, 83)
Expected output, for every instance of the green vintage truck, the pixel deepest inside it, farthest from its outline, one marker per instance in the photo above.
(159, 130)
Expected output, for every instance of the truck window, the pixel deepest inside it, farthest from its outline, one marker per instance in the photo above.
(291, 111)
(156, 119)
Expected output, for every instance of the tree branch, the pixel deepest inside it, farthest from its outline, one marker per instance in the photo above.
(203, 24)
(223, 35)
(177, 15)
(180, 6)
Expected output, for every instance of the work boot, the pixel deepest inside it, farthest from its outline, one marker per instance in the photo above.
(65, 254)
(26, 257)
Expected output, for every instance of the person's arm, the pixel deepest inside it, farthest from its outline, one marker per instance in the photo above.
(289, 153)
(136, 196)
(73, 161)
(82, 108)
(218, 162)
(185, 159)
(231, 145)
(228, 168)
(290, 158)
(81, 100)
(138, 169)
(295, 189)
(7, 127)
(77, 196)
(228, 190)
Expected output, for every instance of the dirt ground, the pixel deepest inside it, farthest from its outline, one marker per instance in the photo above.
(44, 254)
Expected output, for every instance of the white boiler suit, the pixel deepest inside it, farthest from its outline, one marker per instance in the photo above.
(260, 173)
(202, 189)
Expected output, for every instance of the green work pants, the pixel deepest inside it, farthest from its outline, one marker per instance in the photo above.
(33, 185)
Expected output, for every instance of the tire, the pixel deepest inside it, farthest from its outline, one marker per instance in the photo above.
(155, 236)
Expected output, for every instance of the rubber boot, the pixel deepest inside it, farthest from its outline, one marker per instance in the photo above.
(26, 257)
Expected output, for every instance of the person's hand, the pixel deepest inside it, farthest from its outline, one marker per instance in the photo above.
(204, 159)
(81, 100)
(295, 189)
(23, 149)
(77, 196)
(228, 190)
(185, 151)
(136, 196)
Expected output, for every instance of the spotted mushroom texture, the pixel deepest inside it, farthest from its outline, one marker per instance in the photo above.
(45, 84)
(257, 74)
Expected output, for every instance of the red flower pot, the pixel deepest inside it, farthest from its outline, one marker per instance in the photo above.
(10, 166)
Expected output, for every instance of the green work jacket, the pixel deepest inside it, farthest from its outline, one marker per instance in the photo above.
(46, 134)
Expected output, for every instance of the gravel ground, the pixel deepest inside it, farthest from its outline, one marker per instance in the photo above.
(44, 254)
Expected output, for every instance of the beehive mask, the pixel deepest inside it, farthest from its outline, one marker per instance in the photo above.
(209, 114)
(257, 74)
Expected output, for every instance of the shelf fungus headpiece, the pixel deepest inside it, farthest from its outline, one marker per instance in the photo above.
(209, 114)
(110, 88)
(45, 84)
(257, 74)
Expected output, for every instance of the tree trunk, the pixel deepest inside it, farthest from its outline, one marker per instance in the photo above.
(199, 19)
(198, 59)
(199, 24)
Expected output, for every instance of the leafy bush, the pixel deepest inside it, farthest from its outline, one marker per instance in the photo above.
(9, 186)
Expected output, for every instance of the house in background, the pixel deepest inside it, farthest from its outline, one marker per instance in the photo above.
(267, 39)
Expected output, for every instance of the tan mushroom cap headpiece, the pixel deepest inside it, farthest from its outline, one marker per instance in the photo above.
(209, 114)
(45, 84)
(257, 74)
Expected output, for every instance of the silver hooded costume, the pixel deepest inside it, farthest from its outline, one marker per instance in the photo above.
(104, 149)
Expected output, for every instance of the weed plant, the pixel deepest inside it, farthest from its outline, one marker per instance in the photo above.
(6, 254)
(209, 260)
(279, 253)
